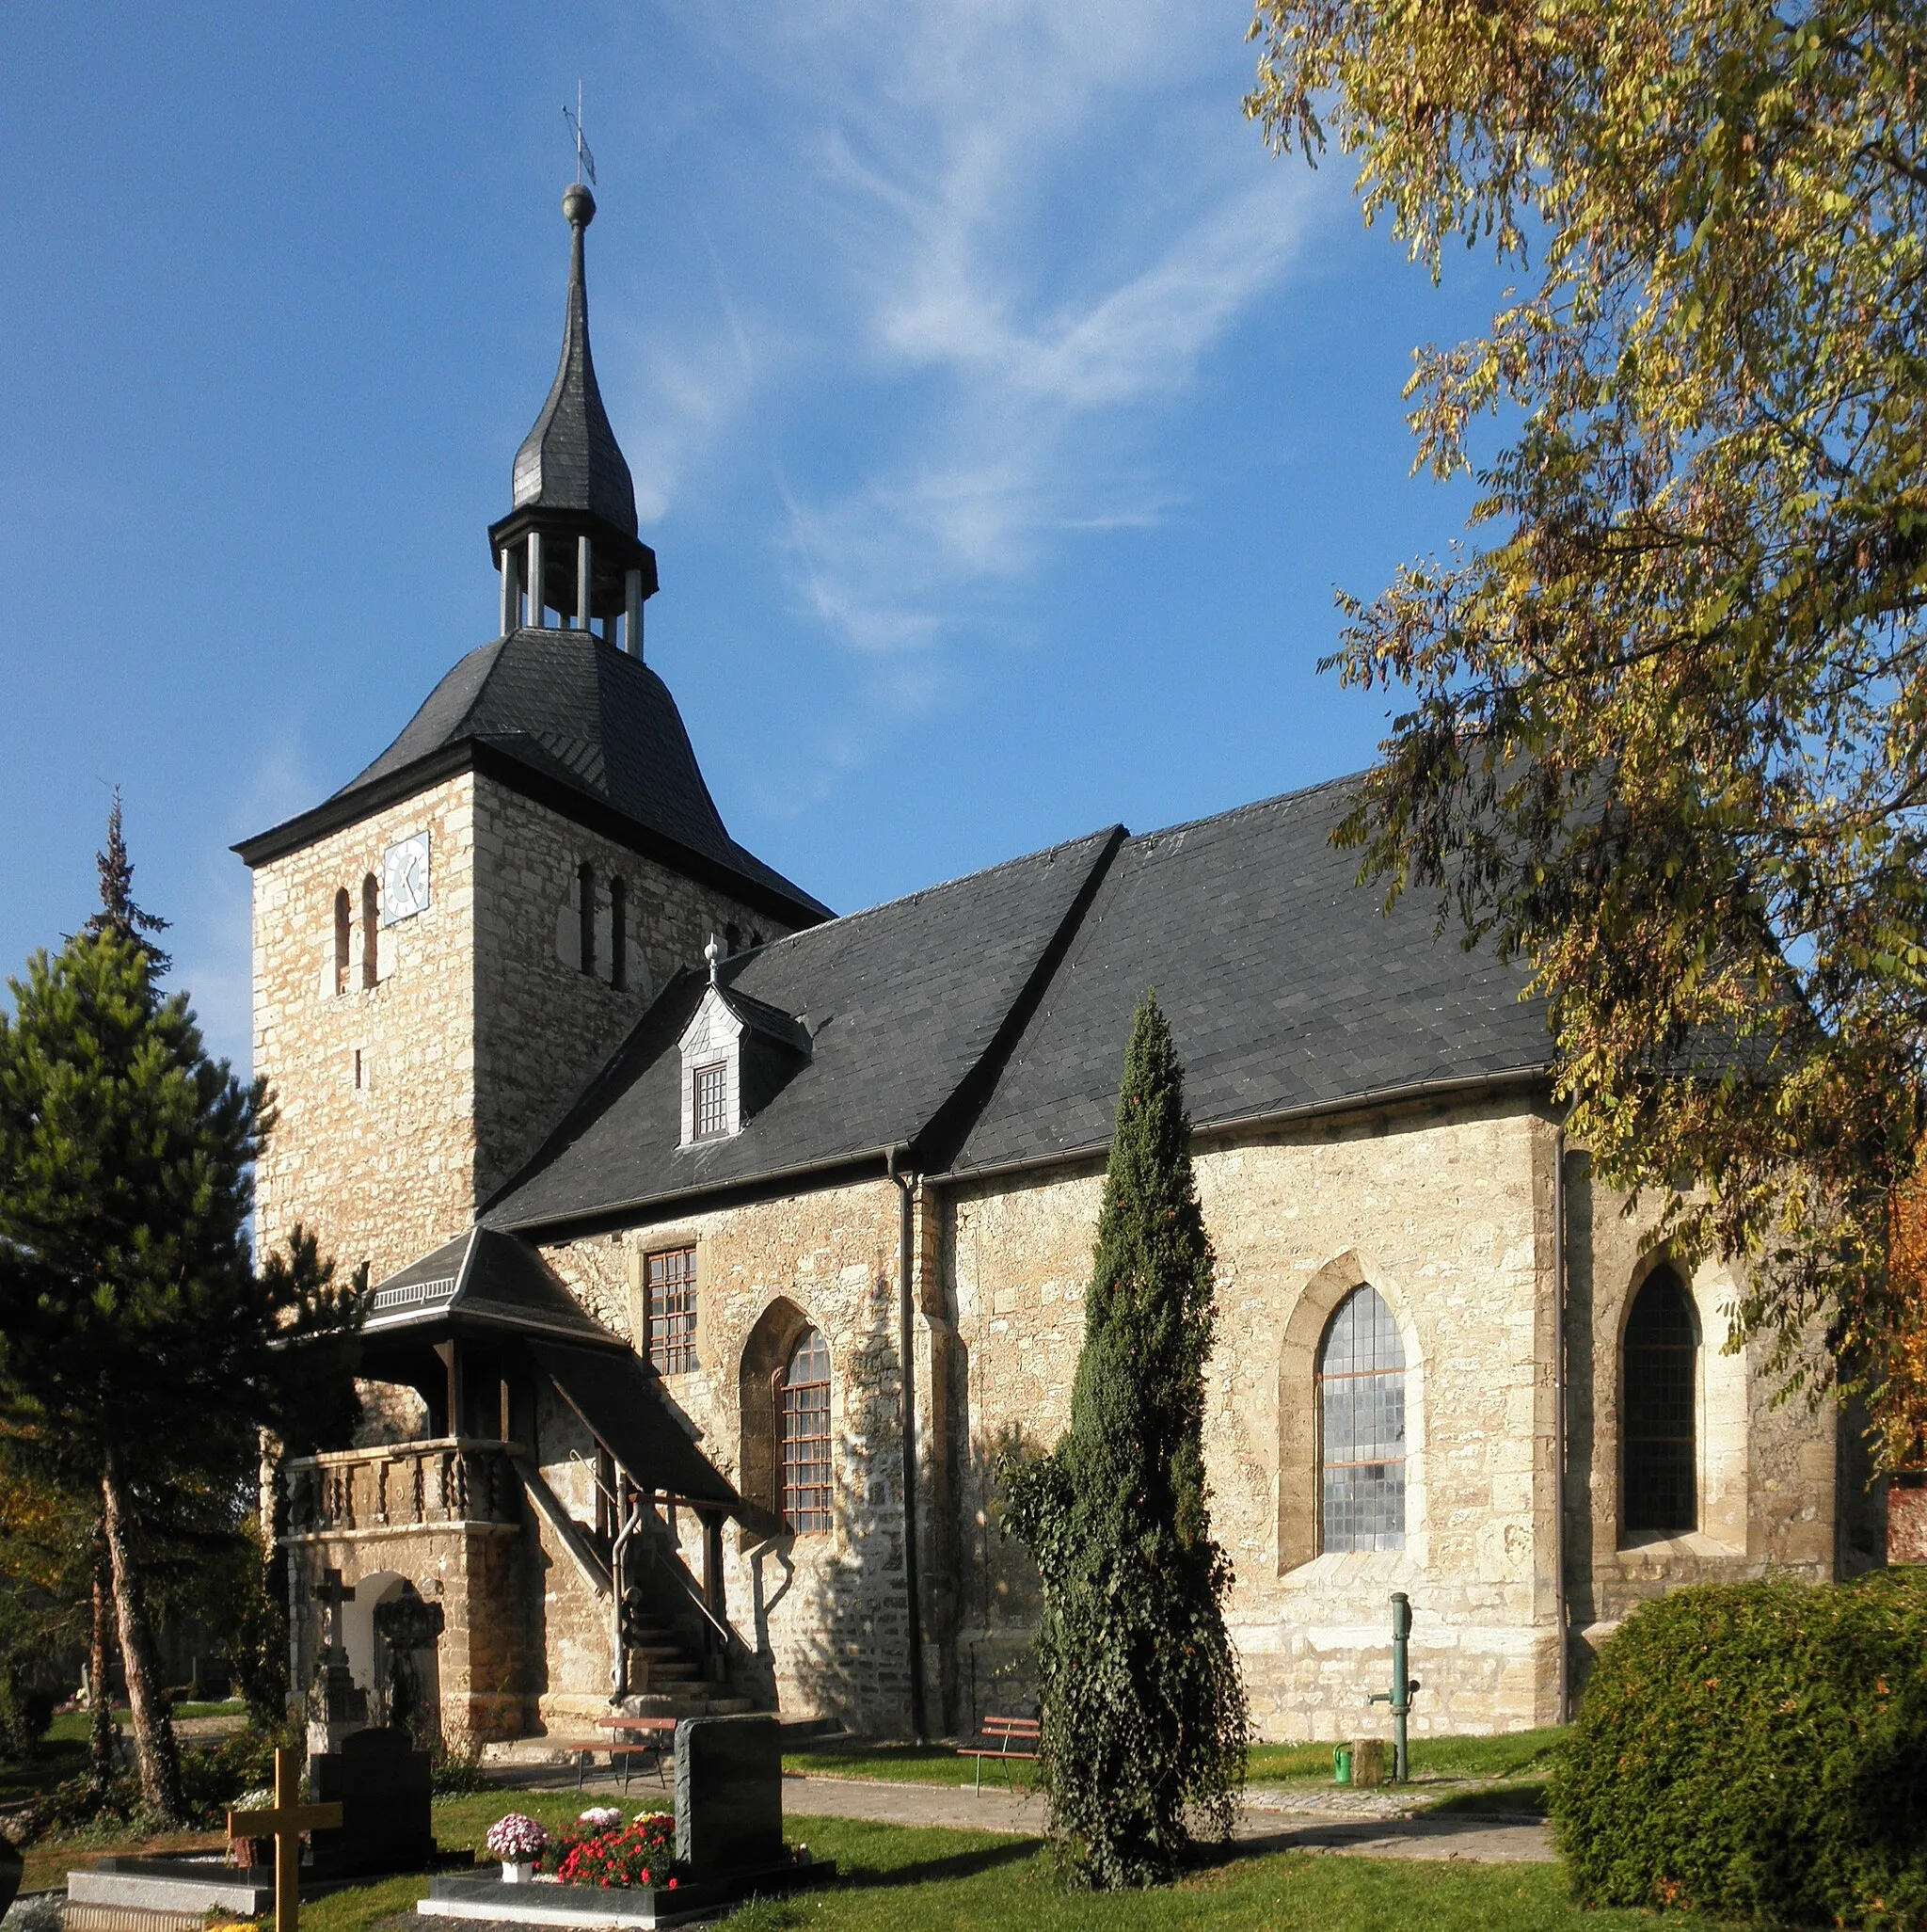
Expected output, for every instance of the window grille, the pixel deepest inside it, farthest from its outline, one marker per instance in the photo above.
(1361, 1414)
(672, 1278)
(1661, 1491)
(711, 1101)
(804, 1424)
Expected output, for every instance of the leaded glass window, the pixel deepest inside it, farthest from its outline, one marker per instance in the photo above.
(710, 1100)
(804, 1421)
(1361, 1415)
(672, 1282)
(1662, 1359)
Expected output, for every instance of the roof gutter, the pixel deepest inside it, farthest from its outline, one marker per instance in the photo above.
(906, 1355)
(1454, 1087)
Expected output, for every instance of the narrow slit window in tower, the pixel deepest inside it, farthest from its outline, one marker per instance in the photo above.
(344, 919)
(371, 931)
(585, 892)
(618, 934)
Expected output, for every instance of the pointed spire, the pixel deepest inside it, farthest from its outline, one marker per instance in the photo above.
(571, 460)
(569, 543)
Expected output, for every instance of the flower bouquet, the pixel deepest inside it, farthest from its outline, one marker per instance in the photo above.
(517, 1841)
(639, 1853)
(248, 1853)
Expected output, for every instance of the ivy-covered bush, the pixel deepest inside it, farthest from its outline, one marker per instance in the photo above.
(1757, 1751)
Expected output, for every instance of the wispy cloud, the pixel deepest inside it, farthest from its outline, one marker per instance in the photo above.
(1004, 238)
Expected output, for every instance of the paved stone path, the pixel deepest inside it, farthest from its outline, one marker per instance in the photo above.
(1264, 1824)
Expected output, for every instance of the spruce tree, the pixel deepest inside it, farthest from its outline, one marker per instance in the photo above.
(140, 1352)
(118, 913)
(1144, 1713)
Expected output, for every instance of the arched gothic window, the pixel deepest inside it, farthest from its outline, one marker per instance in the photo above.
(1662, 1381)
(618, 934)
(804, 1430)
(343, 918)
(585, 898)
(1362, 1418)
(371, 931)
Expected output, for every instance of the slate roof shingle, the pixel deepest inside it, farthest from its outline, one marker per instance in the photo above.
(572, 707)
(1287, 988)
(903, 1004)
(1286, 985)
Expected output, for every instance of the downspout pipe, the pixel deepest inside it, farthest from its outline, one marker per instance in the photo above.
(906, 1355)
(1560, 1609)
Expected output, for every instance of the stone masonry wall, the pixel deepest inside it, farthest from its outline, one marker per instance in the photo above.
(1768, 1475)
(543, 1026)
(375, 1149)
(1447, 1216)
(822, 1615)
(403, 1104)
(1448, 1212)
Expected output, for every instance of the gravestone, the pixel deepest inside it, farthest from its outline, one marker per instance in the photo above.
(12, 1866)
(381, 1783)
(728, 1796)
(337, 1706)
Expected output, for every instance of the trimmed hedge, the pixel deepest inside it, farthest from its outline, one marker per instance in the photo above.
(1757, 1751)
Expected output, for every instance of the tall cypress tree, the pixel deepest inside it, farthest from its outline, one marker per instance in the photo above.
(1143, 1711)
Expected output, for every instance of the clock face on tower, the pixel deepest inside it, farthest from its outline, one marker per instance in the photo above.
(405, 880)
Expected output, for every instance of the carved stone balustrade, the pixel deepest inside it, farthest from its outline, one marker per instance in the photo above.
(399, 1487)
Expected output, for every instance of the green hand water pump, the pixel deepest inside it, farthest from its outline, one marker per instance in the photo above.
(1399, 1697)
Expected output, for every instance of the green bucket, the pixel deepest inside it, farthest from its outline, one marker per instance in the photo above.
(1341, 1764)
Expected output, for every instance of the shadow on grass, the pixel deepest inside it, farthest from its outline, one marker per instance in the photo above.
(963, 1864)
(1524, 1799)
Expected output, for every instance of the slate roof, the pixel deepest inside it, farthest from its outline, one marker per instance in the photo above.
(905, 1005)
(1286, 985)
(571, 707)
(571, 459)
(982, 1024)
(481, 1279)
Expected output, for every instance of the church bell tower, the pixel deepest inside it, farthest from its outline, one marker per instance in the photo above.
(448, 948)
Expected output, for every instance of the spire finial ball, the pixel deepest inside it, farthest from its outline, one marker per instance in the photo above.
(579, 205)
(713, 953)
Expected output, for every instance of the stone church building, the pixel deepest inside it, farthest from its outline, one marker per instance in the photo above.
(722, 1247)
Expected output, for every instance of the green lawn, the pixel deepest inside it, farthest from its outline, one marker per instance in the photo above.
(1432, 1758)
(899, 1879)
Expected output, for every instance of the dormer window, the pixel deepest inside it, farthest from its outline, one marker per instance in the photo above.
(738, 1055)
(710, 1101)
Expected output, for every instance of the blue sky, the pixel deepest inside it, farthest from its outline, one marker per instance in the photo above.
(1002, 414)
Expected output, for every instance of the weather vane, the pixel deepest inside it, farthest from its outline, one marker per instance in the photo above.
(585, 162)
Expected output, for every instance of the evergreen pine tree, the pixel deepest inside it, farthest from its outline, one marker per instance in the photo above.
(138, 1355)
(1144, 1713)
(118, 913)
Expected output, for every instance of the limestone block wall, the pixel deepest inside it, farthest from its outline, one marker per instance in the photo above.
(374, 1148)
(822, 1615)
(476, 1572)
(571, 1614)
(1447, 1214)
(1769, 1473)
(542, 1024)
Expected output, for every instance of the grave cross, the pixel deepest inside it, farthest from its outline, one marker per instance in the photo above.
(285, 1824)
(330, 1593)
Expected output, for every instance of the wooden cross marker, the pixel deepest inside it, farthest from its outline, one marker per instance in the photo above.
(285, 1825)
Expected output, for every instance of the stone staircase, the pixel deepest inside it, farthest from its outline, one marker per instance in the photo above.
(668, 1681)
